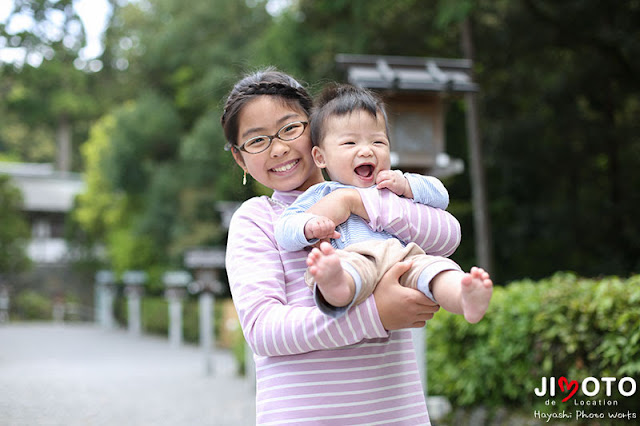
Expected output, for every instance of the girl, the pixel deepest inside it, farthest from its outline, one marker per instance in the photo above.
(310, 368)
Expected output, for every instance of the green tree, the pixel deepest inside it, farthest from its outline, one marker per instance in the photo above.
(560, 106)
(559, 96)
(49, 102)
(14, 232)
(160, 167)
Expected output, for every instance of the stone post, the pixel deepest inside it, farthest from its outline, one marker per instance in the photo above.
(175, 283)
(4, 303)
(106, 287)
(207, 263)
(419, 337)
(134, 289)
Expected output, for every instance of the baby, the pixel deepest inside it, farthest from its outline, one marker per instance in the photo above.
(350, 136)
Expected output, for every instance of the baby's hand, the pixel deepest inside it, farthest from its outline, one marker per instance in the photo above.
(320, 227)
(395, 182)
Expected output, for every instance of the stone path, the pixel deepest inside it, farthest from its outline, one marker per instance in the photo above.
(79, 374)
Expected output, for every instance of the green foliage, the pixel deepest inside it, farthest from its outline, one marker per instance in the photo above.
(453, 11)
(100, 208)
(239, 349)
(128, 251)
(146, 134)
(155, 316)
(31, 305)
(560, 326)
(563, 151)
(559, 101)
(14, 232)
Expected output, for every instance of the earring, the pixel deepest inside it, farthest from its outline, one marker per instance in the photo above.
(244, 178)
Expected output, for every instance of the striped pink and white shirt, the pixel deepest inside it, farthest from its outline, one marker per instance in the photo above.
(310, 368)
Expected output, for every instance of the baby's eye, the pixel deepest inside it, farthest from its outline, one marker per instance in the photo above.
(348, 143)
(380, 143)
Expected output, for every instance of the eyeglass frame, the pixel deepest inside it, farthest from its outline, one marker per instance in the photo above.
(229, 147)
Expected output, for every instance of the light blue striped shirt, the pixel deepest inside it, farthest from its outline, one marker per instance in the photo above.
(289, 231)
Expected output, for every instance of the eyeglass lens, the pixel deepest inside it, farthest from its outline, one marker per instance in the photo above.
(288, 132)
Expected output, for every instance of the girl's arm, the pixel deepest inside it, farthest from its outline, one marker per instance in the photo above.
(271, 325)
(436, 231)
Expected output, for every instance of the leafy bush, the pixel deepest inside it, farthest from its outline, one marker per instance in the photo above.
(155, 315)
(561, 326)
(31, 305)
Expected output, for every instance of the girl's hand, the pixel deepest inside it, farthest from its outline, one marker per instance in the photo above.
(395, 182)
(401, 307)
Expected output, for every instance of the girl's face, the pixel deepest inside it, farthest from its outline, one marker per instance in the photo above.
(284, 166)
(354, 149)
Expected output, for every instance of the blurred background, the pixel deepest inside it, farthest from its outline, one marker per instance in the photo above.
(111, 150)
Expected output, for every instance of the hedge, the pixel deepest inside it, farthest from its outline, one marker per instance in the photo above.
(561, 326)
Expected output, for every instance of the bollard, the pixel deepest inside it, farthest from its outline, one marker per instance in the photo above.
(419, 337)
(249, 367)
(106, 286)
(207, 339)
(207, 262)
(58, 309)
(206, 286)
(175, 287)
(134, 289)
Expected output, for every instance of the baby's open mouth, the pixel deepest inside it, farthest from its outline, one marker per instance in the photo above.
(366, 170)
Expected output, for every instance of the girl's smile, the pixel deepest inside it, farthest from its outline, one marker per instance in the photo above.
(285, 165)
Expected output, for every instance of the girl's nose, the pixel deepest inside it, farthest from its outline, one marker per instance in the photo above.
(279, 148)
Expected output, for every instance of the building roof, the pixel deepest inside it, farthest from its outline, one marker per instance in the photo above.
(405, 73)
(43, 188)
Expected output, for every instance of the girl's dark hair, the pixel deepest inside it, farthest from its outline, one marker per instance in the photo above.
(268, 81)
(342, 99)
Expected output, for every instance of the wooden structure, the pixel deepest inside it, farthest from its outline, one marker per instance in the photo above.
(415, 91)
(48, 197)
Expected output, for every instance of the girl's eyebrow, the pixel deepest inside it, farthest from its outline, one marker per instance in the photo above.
(281, 121)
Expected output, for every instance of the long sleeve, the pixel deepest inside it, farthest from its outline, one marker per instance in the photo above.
(289, 231)
(428, 190)
(436, 231)
(275, 307)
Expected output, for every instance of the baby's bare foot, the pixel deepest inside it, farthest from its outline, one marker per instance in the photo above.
(335, 284)
(477, 289)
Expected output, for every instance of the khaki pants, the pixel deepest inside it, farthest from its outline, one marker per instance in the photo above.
(372, 259)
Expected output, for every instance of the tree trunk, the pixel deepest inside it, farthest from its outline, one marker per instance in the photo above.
(63, 142)
(481, 221)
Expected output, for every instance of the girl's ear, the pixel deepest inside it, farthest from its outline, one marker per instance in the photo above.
(318, 157)
(237, 155)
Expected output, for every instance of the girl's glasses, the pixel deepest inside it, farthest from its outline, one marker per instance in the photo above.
(258, 144)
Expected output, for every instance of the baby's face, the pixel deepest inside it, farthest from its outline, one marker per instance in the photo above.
(355, 148)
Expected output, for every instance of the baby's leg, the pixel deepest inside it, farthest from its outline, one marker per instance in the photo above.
(335, 284)
(463, 293)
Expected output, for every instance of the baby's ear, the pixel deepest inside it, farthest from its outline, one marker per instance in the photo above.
(318, 157)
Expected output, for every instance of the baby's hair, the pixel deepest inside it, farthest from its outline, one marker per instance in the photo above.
(268, 81)
(343, 99)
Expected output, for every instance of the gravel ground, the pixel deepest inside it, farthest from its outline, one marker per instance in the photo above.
(79, 374)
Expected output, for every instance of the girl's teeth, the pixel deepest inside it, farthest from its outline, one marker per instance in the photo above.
(285, 167)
